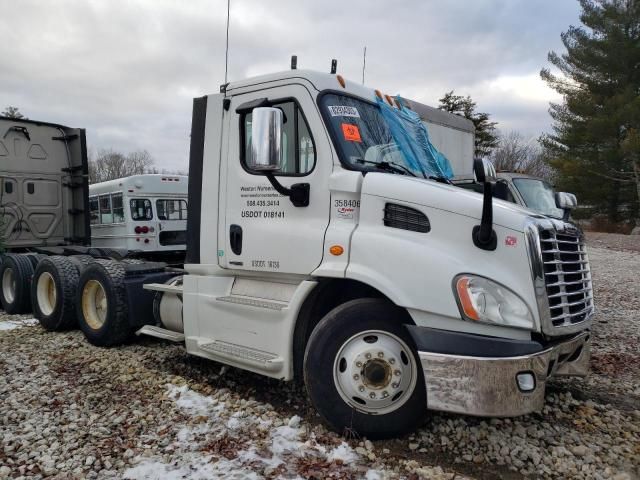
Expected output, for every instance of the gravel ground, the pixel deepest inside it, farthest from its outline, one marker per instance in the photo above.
(147, 410)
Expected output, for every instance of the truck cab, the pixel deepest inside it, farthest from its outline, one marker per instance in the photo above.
(324, 247)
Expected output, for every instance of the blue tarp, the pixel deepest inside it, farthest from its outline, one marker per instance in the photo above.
(412, 138)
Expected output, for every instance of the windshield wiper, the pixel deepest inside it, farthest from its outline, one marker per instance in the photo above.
(440, 179)
(388, 166)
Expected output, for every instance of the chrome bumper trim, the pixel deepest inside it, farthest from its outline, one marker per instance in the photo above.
(488, 387)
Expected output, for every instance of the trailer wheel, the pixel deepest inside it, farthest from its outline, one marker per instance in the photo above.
(101, 305)
(53, 293)
(35, 258)
(362, 371)
(81, 262)
(15, 279)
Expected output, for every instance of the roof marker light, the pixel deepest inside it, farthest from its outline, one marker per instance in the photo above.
(341, 81)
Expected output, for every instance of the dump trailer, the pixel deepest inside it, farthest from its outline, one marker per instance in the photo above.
(319, 250)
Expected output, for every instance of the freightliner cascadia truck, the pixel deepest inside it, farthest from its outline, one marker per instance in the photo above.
(325, 245)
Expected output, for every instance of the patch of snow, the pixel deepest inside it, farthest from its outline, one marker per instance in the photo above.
(192, 402)
(285, 440)
(373, 475)
(197, 469)
(344, 453)
(11, 324)
(294, 422)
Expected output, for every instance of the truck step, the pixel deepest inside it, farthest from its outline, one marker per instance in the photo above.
(253, 302)
(163, 333)
(163, 287)
(248, 356)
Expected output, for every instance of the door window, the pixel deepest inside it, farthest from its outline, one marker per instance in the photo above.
(140, 209)
(118, 208)
(170, 209)
(95, 210)
(105, 209)
(298, 149)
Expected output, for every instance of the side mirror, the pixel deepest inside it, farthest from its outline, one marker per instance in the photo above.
(483, 235)
(266, 139)
(566, 201)
(266, 153)
(484, 171)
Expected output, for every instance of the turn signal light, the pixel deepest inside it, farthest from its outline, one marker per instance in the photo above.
(465, 298)
(336, 250)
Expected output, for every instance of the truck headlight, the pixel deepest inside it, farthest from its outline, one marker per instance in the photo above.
(483, 300)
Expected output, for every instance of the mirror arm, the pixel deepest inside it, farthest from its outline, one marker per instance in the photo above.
(298, 193)
(483, 235)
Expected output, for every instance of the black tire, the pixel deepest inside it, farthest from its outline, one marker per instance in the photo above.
(35, 258)
(336, 330)
(108, 275)
(14, 296)
(132, 261)
(61, 274)
(81, 262)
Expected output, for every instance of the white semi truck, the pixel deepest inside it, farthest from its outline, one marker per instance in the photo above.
(318, 250)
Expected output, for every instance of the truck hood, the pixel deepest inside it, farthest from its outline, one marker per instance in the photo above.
(444, 197)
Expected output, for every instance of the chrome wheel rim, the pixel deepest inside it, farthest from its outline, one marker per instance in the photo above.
(46, 293)
(375, 372)
(9, 285)
(94, 304)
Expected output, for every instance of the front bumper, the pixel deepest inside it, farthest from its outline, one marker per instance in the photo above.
(487, 386)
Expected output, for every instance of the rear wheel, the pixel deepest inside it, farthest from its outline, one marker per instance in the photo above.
(362, 372)
(101, 305)
(53, 293)
(15, 280)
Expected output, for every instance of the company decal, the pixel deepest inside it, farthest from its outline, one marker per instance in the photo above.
(260, 201)
(346, 209)
(351, 132)
(510, 241)
(343, 111)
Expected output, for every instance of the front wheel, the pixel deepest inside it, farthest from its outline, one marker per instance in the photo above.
(362, 372)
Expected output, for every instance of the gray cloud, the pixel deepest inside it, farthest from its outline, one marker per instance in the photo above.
(127, 71)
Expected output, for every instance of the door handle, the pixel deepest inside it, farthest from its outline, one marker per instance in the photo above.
(235, 239)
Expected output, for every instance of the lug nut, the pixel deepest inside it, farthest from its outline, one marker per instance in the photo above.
(394, 385)
(385, 394)
(361, 388)
(367, 356)
(392, 361)
(396, 373)
(372, 395)
(380, 354)
(356, 376)
(359, 364)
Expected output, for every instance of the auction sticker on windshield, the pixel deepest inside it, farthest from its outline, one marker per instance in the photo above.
(343, 111)
(351, 132)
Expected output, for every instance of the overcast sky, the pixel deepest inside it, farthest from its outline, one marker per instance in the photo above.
(127, 70)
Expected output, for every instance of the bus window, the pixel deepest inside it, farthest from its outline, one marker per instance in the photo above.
(105, 209)
(118, 208)
(95, 210)
(171, 209)
(140, 209)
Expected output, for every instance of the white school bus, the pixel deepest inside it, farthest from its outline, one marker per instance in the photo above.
(147, 213)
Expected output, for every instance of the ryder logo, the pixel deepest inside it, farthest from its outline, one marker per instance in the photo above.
(510, 241)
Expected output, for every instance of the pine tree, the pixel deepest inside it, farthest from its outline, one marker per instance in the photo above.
(486, 137)
(595, 142)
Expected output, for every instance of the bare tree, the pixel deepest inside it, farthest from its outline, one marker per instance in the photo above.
(13, 112)
(110, 164)
(516, 154)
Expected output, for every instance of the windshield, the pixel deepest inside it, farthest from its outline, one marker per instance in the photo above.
(538, 196)
(366, 139)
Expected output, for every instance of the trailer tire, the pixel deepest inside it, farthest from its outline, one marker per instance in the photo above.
(35, 258)
(132, 261)
(362, 371)
(16, 272)
(81, 262)
(101, 304)
(53, 293)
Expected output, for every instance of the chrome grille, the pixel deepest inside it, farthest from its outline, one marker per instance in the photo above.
(567, 277)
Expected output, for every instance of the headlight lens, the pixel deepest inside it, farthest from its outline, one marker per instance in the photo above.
(483, 300)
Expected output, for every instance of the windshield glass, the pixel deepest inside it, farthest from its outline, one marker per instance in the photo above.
(367, 140)
(538, 196)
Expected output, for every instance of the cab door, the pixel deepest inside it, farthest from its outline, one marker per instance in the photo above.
(263, 230)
